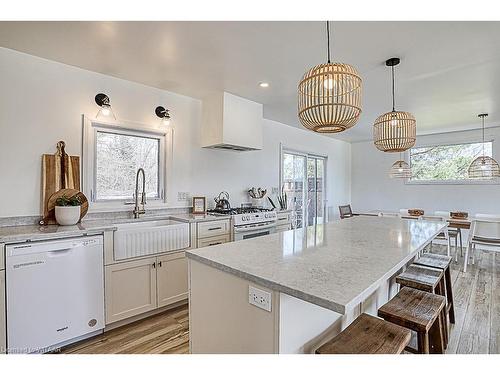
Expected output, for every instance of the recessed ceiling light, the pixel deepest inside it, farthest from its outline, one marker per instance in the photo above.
(264, 84)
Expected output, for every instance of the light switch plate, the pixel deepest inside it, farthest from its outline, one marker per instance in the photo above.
(259, 298)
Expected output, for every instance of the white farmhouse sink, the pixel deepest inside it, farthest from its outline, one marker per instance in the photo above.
(141, 238)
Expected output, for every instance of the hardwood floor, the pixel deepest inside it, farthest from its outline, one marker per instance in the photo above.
(477, 305)
(165, 333)
(477, 311)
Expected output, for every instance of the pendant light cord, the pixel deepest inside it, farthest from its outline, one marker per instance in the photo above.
(328, 39)
(393, 101)
(482, 119)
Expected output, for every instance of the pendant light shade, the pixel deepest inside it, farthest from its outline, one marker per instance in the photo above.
(329, 96)
(484, 167)
(394, 131)
(400, 169)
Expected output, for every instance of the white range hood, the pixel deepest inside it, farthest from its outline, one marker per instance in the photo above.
(231, 123)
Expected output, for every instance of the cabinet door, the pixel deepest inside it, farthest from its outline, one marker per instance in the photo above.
(211, 241)
(172, 278)
(3, 344)
(130, 289)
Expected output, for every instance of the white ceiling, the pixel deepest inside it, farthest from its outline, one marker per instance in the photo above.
(449, 71)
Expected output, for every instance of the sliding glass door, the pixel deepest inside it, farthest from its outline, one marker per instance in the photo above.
(303, 181)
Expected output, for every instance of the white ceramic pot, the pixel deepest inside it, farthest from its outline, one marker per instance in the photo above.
(67, 215)
(257, 202)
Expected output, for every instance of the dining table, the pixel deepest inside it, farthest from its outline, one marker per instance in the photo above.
(452, 222)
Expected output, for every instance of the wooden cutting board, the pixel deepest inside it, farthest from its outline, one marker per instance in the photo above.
(51, 204)
(59, 171)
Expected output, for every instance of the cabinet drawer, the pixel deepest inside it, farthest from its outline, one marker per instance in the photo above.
(283, 218)
(282, 228)
(203, 242)
(213, 228)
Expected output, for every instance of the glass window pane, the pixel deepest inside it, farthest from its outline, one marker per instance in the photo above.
(445, 163)
(118, 157)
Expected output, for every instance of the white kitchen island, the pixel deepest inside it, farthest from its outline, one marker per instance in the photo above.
(316, 280)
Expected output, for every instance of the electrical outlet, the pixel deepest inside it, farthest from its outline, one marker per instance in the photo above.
(259, 298)
(182, 196)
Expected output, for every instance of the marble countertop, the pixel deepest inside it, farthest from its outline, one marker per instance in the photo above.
(19, 233)
(38, 232)
(335, 265)
(192, 218)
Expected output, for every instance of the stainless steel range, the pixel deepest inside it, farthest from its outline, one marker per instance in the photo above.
(250, 222)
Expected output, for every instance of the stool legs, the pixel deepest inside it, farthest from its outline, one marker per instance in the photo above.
(423, 342)
(449, 295)
(436, 338)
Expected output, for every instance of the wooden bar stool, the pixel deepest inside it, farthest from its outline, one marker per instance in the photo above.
(368, 335)
(441, 262)
(421, 312)
(428, 280)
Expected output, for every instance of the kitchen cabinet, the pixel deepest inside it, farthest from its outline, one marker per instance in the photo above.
(3, 343)
(130, 289)
(171, 278)
(211, 241)
(284, 221)
(213, 228)
(139, 286)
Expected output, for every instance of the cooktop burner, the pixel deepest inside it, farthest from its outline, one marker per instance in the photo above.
(239, 210)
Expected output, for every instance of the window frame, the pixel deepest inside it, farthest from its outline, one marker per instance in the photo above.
(90, 129)
(407, 158)
(294, 151)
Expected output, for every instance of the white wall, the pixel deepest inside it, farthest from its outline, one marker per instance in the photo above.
(41, 102)
(372, 189)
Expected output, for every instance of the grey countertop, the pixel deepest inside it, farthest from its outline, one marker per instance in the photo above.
(19, 233)
(335, 265)
(38, 232)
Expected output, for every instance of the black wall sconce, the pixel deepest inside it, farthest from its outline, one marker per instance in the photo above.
(102, 100)
(163, 114)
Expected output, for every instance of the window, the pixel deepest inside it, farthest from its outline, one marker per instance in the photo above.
(112, 156)
(445, 162)
(117, 159)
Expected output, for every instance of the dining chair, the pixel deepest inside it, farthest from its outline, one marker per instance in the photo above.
(455, 233)
(345, 211)
(444, 235)
(389, 214)
(483, 231)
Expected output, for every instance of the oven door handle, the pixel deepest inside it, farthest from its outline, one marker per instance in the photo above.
(254, 228)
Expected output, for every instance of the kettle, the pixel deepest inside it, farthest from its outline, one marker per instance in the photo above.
(222, 201)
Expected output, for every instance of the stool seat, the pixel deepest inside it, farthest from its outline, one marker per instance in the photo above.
(421, 312)
(413, 309)
(368, 335)
(434, 261)
(441, 262)
(420, 277)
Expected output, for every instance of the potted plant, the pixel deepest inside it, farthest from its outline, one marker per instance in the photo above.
(68, 210)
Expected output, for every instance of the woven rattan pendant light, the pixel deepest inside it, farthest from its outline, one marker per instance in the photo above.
(329, 96)
(484, 167)
(400, 169)
(394, 131)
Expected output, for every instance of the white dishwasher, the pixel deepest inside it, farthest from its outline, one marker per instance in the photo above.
(55, 292)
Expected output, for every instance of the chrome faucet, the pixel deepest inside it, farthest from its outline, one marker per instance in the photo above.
(138, 211)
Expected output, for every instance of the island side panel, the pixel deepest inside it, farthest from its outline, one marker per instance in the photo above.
(221, 320)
